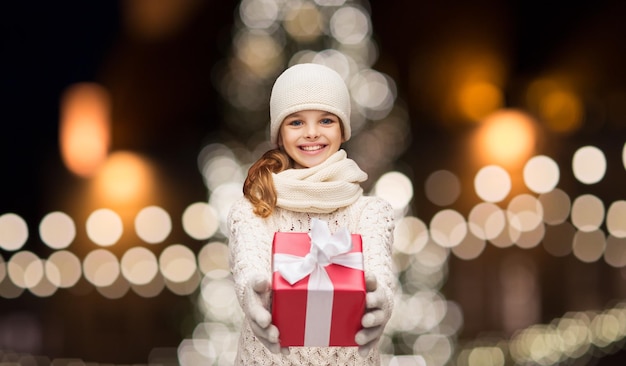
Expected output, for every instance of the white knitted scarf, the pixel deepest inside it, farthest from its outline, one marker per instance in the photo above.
(322, 188)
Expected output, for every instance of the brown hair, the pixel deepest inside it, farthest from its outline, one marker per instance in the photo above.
(259, 185)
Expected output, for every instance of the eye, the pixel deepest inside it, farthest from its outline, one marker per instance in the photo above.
(295, 123)
(327, 121)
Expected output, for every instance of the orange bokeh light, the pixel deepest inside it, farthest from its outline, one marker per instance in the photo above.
(84, 131)
(556, 104)
(479, 99)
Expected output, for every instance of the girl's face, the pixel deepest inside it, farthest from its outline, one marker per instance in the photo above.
(309, 137)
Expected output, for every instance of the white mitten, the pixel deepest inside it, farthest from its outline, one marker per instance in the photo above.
(374, 319)
(257, 299)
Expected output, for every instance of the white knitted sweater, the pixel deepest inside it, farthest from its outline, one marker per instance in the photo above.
(250, 255)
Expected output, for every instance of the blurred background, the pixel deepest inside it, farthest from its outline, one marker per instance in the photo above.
(496, 130)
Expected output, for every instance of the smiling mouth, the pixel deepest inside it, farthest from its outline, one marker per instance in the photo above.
(312, 148)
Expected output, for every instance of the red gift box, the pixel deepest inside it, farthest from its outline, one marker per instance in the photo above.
(317, 313)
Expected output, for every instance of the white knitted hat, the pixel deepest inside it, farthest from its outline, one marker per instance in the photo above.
(309, 87)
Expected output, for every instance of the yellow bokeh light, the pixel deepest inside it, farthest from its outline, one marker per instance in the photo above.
(84, 131)
(124, 179)
(506, 137)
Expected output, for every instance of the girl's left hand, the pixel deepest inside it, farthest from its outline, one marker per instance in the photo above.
(374, 319)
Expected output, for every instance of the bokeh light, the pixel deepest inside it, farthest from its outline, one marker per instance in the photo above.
(556, 206)
(25, 269)
(410, 235)
(350, 25)
(303, 21)
(616, 219)
(615, 252)
(213, 260)
(486, 356)
(505, 137)
(101, 268)
(200, 220)
(442, 187)
(139, 266)
(177, 263)
(471, 247)
(486, 221)
(556, 104)
(396, 188)
(63, 269)
(448, 228)
(589, 164)
(589, 246)
(531, 238)
(153, 224)
(541, 174)
(436, 349)
(125, 179)
(587, 212)
(13, 232)
(57, 230)
(524, 212)
(373, 93)
(84, 131)
(104, 227)
(492, 183)
(261, 53)
(220, 299)
(258, 14)
(479, 99)
(150, 21)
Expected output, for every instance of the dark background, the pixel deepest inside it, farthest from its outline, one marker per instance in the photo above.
(167, 107)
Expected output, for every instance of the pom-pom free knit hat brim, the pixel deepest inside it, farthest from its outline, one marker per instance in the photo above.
(309, 87)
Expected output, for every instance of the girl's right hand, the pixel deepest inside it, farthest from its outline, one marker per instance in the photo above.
(257, 293)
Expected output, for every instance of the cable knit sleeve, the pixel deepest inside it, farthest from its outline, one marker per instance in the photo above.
(250, 244)
(376, 226)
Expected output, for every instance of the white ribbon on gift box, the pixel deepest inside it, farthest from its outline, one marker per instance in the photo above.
(326, 249)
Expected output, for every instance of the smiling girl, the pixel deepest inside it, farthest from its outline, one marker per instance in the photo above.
(307, 176)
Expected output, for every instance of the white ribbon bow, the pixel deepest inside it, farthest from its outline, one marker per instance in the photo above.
(325, 249)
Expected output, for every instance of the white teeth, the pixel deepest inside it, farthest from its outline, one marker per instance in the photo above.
(311, 148)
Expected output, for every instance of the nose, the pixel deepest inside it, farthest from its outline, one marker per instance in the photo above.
(312, 131)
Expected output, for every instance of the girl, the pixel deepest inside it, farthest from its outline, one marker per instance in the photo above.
(307, 176)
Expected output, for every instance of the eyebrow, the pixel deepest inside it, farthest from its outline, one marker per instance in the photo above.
(298, 114)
